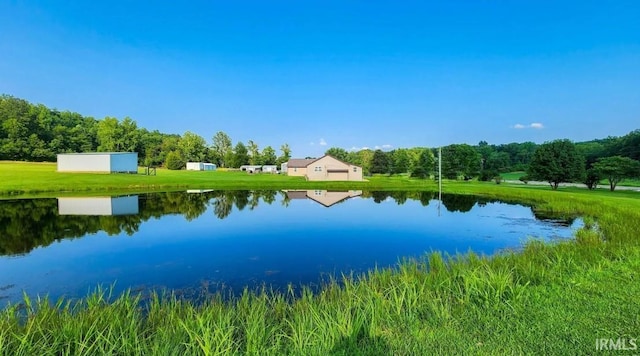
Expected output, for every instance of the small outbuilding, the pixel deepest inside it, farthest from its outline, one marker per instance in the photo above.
(200, 166)
(110, 162)
(270, 169)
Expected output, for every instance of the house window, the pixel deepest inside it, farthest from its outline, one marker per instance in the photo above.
(355, 169)
(318, 169)
(318, 193)
(295, 169)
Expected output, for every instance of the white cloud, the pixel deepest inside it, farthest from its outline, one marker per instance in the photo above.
(311, 143)
(376, 147)
(534, 125)
(387, 146)
(322, 142)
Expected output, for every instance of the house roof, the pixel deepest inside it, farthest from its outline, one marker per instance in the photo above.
(303, 163)
(299, 162)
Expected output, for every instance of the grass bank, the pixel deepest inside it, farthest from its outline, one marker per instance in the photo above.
(40, 179)
(546, 299)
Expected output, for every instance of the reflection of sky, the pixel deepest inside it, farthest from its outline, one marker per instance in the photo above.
(270, 244)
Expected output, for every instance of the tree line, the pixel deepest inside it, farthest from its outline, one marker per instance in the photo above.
(612, 159)
(31, 132)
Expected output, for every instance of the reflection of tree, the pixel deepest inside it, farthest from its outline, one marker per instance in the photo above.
(425, 197)
(400, 197)
(241, 198)
(553, 217)
(379, 196)
(284, 199)
(223, 205)
(29, 223)
(456, 202)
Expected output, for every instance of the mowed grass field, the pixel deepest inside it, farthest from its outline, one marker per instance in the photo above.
(551, 299)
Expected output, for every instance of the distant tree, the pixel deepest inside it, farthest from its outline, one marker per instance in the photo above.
(193, 147)
(221, 148)
(460, 160)
(401, 161)
(591, 179)
(174, 160)
(424, 166)
(268, 155)
(557, 162)
(240, 155)
(254, 153)
(286, 154)
(617, 168)
(337, 152)
(380, 162)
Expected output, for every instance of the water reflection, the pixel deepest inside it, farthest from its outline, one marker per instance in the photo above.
(127, 205)
(184, 241)
(26, 224)
(326, 198)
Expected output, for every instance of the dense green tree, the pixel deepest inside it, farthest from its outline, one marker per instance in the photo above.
(268, 155)
(221, 148)
(557, 162)
(240, 155)
(286, 154)
(401, 161)
(337, 152)
(174, 160)
(381, 162)
(617, 168)
(591, 178)
(424, 166)
(460, 161)
(193, 147)
(254, 153)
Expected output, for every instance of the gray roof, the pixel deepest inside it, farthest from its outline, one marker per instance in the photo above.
(299, 162)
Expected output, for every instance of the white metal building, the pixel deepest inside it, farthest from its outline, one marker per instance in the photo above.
(114, 162)
(199, 166)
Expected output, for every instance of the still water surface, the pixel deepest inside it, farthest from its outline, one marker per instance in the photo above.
(204, 241)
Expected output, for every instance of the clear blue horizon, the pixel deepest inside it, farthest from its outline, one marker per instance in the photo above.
(334, 73)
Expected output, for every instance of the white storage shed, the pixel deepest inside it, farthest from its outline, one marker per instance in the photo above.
(199, 166)
(113, 162)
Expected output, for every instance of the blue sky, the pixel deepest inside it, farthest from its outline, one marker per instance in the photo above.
(317, 74)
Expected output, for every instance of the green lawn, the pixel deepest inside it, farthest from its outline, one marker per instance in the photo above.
(545, 299)
(512, 175)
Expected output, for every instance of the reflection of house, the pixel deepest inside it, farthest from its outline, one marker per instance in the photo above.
(98, 206)
(121, 162)
(200, 166)
(324, 197)
(324, 168)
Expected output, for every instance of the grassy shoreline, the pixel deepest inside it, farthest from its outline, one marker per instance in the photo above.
(546, 299)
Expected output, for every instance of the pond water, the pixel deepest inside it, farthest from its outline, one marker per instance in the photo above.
(205, 241)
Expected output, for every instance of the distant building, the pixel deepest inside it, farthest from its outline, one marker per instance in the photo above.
(112, 162)
(324, 168)
(200, 166)
(269, 168)
(251, 168)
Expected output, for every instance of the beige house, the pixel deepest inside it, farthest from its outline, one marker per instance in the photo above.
(324, 168)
